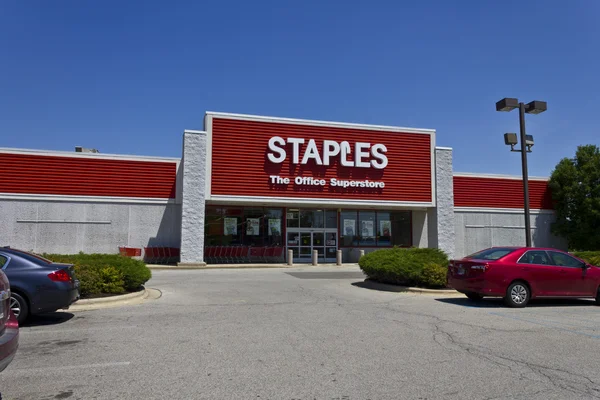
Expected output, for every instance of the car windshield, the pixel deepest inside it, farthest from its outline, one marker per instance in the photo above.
(28, 256)
(492, 254)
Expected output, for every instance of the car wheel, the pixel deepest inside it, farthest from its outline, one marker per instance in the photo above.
(598, 297)
(517, 295)
(19, 307)
(474, 296)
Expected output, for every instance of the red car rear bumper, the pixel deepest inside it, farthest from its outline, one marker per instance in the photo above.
(9, 342)
(475, 285)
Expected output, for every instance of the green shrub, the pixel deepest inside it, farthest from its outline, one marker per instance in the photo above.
(105, 273)
(434, 275)
(592, 257)
(406, 266)
(112, 280)
(89, 280)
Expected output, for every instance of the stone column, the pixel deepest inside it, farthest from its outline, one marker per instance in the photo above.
(441, 219)
(193, 198)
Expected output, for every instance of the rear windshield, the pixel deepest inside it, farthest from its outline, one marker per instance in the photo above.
(29, 256)
(492, 254)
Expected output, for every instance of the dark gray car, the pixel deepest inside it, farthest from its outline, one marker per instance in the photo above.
(37, 285)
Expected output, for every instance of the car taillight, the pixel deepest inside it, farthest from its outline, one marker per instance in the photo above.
(59, 276)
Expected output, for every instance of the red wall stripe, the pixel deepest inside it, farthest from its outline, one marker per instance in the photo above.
(240, 165)
(83, 176)
(499, 193)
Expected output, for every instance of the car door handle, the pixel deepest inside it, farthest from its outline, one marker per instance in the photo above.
(562, 271)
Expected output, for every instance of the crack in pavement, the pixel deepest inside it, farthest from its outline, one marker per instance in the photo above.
(571, 382)
(558, 378)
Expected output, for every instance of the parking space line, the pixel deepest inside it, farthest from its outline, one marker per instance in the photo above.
(546, 324)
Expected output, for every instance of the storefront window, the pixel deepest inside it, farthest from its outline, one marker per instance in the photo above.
(311, 219)
(253, 226)
(384, 228)
(367, 228)
(248, 226)
(348, 222)
(331, 219)
(292, 219)
(213, 227)
(232, 226)
(273, 227)
(375, 228)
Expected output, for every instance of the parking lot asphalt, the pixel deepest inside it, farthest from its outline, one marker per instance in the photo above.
(307, 333)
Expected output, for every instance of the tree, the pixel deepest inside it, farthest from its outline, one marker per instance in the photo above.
(575, 186)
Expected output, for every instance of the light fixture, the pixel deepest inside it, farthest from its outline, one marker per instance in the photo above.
(528, 140)
(507, 104)
(536, 107)
(510, 139)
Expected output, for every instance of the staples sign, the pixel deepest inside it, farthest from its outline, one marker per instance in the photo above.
(361, 155)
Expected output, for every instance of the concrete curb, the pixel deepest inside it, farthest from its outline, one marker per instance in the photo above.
(176, 267)
(109, 302)
(368, 284)
(432, 291)
(244, 266)
(110, 299)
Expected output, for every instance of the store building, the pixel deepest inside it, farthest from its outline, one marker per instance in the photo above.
(250, 188)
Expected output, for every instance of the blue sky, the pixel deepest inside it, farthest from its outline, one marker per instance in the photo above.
(130, 76)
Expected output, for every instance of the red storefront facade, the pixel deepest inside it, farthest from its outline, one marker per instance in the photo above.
(278, 184)
(240, 167)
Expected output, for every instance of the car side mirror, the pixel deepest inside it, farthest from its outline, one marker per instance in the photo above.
(586, 266)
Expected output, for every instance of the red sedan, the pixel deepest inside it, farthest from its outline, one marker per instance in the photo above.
(519, 274)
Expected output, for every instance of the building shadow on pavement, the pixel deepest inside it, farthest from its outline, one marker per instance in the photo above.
(55, 318)
(499, 303)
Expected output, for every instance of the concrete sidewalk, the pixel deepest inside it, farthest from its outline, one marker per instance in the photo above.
(248, 265)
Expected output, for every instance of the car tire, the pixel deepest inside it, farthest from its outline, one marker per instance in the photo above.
(19, 307)
(598, 297)
(517, 295)
(474, 296)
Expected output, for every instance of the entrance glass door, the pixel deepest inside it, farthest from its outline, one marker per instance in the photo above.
(331, 245)
(304, 242)
(305, 246)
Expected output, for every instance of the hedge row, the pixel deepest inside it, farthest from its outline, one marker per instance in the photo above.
(105, 273)
(407, 266)
(592, 257)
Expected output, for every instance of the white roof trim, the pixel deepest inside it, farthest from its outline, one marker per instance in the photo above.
(500, 210)
(58, 153)
(86, 199)
(320, 123)
(498, 176)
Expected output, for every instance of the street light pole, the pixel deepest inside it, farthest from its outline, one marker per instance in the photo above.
(510, 139)
(525, 175)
